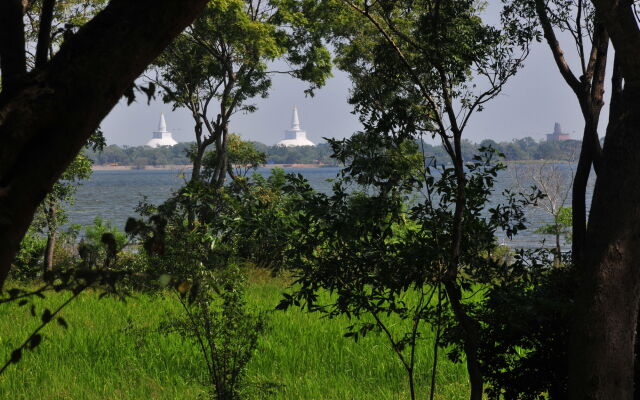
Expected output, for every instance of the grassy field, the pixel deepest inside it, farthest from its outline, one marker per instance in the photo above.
(113, 350)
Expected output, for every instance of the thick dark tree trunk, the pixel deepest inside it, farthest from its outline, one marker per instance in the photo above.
(48, 117)
(636, 370)
(603, 334)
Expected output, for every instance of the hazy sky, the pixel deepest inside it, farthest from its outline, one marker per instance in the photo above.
(528, 106)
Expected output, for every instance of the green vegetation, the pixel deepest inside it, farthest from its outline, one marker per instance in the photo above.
(141, 155)
(398, 225)
(115, 349)
(220, 63)
(401, 256)
(518, 149)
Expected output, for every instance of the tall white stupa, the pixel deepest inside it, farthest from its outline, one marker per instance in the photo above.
(161, 137)
(295, 136)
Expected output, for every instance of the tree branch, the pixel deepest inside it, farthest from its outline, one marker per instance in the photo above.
(558, 54)
(44, 33)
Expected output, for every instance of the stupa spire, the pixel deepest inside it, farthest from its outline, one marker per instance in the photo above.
(162, 125)
(295, 121)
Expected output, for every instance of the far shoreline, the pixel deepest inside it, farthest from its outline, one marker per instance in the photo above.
(187, 167)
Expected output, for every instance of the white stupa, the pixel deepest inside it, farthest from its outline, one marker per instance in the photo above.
(161, 137)
(295, 136)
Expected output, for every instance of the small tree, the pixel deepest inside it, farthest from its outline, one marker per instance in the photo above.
(586, 78)
(554, 181)
(242, 156)
(219, 64)
(426, 68)
(52, 214)
(218, 322)
(204, 260)
(380, 254)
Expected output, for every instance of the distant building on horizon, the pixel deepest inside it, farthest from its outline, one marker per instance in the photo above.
(161, 137)
(557, 134)
(295, 136)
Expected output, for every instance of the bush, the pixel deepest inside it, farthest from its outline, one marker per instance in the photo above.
(28, 262)
(217, 321)
(92, 246)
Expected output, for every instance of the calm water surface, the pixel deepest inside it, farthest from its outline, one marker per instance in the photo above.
(114, 195)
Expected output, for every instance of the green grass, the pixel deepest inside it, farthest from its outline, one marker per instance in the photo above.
(112, 350)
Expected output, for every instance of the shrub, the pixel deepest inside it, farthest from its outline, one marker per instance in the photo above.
(216, 319)
(28, 262)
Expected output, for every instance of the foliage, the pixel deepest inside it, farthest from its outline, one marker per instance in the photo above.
(62, 194)
(382, 254)
(28, 262)
(264, 220)
(28, 265)
(68, 16)
(525, 334)
(50, 215)
(130, 155)
(425, 68)
(177, 155)
(242, 155)
(320, 154)
(92, 247)
(198, 238)
(518, 149)
(561, 225)
(221, 61)
(217, 321)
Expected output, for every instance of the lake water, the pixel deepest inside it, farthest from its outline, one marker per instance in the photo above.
(114, 195)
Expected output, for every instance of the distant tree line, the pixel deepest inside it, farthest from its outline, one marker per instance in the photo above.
(518, 149)
(141, 155)
(145, 155)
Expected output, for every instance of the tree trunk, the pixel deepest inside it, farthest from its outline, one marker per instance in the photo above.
(48, 117)
(602, 345)
(470, 345)
(557, 259)
(636, 370)
(470, 327)
(578, 198)
(48, 254)
(197, 164)
(51, 238)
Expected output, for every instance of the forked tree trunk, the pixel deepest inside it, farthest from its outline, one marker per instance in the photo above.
(602, 345)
